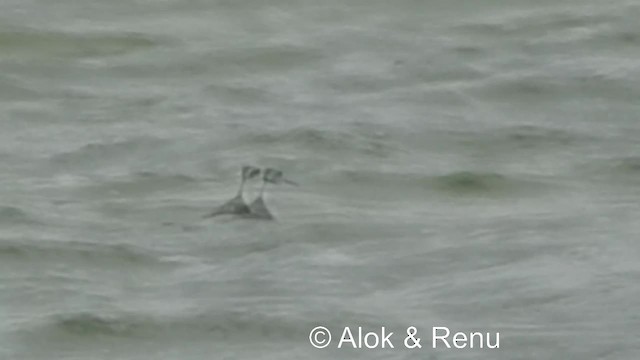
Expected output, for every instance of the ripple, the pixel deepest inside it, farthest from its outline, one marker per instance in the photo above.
(524, 137)
(231, 325)
(417, 185)
(104, 152)
(325, 140)
(268, 58)
(44, 250)
(69, 45)
(14, 215)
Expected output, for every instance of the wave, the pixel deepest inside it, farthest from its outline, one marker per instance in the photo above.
(389, 185)
(137, 184)
(15, 89)
(519, 87)
(578, 82)
(50, 250)
(616, 170)
(627, 165)
(471, 182)
(14, 215)
(531, 23)
(243, 94)
(483, 183)
(238, 325)
(268, 58)
(69, 45)
(333, 141)
(230, 325)
(525, 137)
(562, 34)
(99, 153)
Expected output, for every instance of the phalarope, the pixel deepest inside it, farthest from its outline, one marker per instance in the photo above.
(237, 205)
(258, 209)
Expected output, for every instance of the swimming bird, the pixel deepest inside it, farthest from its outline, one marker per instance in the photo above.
(237, 205)
(258, 209)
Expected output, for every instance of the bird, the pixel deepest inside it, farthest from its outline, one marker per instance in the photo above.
(258, 209)
(237, 205)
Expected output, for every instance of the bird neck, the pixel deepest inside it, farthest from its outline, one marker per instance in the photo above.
(241, 186)
(264, 185)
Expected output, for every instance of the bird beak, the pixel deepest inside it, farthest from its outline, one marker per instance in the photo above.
(287, 181)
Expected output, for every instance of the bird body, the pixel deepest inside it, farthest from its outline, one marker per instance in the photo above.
(258, 208)
(237, 205)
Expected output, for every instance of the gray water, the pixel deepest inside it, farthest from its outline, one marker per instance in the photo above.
(471, 164)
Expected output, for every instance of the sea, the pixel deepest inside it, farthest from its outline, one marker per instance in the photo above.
(464, 167)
